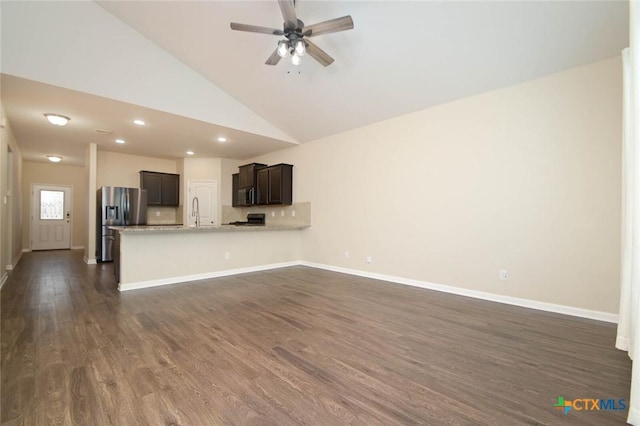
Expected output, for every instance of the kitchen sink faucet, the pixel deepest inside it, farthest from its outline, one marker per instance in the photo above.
(195, 210)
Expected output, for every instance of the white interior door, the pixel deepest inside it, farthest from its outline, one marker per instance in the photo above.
(50, 217)
(206, 192)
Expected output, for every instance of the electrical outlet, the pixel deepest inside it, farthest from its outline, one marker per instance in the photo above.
(293, 213)
(503, 274)
(369, 259)
(347, 254)
(227, 256)
(282, 213)
(273, 214)
(157, 214)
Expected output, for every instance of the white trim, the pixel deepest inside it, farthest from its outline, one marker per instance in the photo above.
(15, 262)
(26, 250)
(77, 247)
(90, 261)
(508, 300)
(3, 280)
(623, 343)
(207, 275)
(516, 301)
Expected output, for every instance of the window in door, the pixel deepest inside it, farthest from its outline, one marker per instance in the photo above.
(51, 205)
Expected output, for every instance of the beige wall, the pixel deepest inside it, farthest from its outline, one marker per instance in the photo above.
(57, 174)
(124, 170)
(229, 167)
(11, 200)
(185, 256)
(526, 178)
(90, 177)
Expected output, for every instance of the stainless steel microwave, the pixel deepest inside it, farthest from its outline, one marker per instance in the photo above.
(246, 196)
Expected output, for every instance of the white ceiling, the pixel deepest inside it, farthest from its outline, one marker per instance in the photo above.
(163, 135)
(400, 57)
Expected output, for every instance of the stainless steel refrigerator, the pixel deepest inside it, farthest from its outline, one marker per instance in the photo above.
(117, 207)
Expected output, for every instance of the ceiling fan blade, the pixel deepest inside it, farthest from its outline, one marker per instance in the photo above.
(318, 54)
(288, 13)
(274, 58)
(255, 29)
(330, 26)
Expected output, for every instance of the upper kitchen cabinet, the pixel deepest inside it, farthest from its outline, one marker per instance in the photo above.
(235, 178)
(275, 185)
(247, 174)
(163, 189)
(246, 191)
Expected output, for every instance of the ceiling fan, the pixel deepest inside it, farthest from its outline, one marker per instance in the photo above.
(296, 42)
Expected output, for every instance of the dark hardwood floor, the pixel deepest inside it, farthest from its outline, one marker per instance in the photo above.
(288, 346)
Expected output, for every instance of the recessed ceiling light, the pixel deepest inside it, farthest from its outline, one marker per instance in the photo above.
(54, 158)
(222, 139)
(120, 141)
(139, 122)
(190, 152)
(57, 119)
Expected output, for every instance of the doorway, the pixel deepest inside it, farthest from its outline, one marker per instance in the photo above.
(207, 193)
(50, 217)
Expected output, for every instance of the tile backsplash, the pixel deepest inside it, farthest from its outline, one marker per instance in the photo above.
(296, 214)
(162, 215)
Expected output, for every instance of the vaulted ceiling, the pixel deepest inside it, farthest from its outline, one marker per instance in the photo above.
(179, 63)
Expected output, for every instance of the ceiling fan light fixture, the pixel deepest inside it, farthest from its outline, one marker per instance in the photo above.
(57, 119)
(295, 59)
(283, 48)
(300, 48)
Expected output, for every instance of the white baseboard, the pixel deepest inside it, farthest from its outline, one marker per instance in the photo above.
(525, 303)
(13, 264)
(509, 300)
(207, 275)
(623, 343)
(77, 247)
(90, 261)
(26, 250)
(3, 280)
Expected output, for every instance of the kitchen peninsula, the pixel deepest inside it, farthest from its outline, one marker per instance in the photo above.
(149, 256)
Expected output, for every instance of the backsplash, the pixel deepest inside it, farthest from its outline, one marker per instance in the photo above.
(275, 215)
(162, 215)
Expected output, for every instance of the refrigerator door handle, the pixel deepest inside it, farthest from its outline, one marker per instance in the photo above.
(125, 200)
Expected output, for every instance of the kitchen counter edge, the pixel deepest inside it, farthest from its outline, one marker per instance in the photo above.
(217, 228)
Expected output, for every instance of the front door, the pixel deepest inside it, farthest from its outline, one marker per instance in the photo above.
(50, 217)
(206, 192)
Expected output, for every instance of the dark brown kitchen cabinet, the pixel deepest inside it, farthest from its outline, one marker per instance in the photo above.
(246, 191)
(275, 185)
(163, 189)
(247, 174)
(234, 189)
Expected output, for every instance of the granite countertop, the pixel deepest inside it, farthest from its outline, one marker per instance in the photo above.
(216, 228)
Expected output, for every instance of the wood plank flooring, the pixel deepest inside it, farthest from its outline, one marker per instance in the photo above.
(289, 346)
